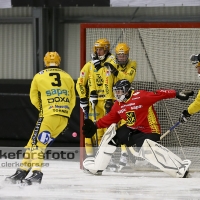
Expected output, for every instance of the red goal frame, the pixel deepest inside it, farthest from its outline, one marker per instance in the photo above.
(83, 28)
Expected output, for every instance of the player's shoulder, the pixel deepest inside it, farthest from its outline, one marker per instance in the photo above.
(87, 66)
(132, 62)
(111, 59)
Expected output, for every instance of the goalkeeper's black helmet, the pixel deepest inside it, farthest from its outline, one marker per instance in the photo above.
(121, 90)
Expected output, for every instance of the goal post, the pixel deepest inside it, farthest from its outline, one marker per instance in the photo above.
(162, 52)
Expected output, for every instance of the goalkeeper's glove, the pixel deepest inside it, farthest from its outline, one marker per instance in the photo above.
(110, 67)
(89, 128)
(195, 58)
(184, 94)
(184, 116)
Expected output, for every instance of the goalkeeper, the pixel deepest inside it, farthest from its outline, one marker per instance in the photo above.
(141, 126)
(52, 93)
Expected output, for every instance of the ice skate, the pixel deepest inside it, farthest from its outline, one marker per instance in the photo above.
(34, 179)
(123, 161)
(17, 177)
(112, 166)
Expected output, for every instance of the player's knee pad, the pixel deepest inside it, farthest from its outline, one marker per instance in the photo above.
(106, 149)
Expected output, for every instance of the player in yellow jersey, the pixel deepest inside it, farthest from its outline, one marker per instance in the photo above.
(52, 92)
(121, 68)
(194, 107)
(93, 103)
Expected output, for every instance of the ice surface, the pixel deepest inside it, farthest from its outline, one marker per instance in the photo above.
(65, 180)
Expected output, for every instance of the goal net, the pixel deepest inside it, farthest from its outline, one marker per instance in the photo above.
(162, 52)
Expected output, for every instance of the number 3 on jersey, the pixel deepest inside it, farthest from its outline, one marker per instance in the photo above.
(57, 79)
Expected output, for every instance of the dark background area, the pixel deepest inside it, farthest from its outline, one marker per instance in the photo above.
(59, 3)
(18, 117)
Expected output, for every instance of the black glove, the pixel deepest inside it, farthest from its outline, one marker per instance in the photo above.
(195, 58)
(184, 116)
(108, 105)
(184, 94)
(113, 70)
(96, 61)
(93, 98)
(84, 104)
(89, 128)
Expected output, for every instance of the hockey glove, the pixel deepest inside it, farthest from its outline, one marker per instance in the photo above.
(84, 105)
(93, 98)
(94, 56)
(110, 67)
(184, 116)
(108, 105)
(184, 94)
(96, 62)
(195, 58)
(89, 128)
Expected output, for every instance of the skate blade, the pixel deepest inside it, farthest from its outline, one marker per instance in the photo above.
(86, 171)
(126, 169)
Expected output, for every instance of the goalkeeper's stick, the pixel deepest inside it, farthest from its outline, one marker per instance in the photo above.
(171, 129)
(166, 133)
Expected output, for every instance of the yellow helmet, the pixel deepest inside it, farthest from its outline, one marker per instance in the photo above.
(122, 48)
(52, 59)
(122, 53)
(102, 43)
(197, 65)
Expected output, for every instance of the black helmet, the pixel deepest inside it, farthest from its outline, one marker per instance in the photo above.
(121, 90)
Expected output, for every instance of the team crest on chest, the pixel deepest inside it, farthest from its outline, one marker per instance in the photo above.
(130, 118)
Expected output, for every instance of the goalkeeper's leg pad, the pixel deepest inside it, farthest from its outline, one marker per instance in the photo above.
(19, 175)
(164, 159)
(106, 149)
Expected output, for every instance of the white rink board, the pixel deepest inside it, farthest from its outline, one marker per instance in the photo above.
(65, 180)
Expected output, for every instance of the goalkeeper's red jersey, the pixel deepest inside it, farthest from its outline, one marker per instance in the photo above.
(137, 111)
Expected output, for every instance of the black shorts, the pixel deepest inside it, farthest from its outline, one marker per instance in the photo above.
(131, 137)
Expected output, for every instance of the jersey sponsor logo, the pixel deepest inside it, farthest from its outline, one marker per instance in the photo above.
(82, 74)
(99, 80)
(135, 98)
(60, 110)
(36, 131)
(108, 73)
(136, 107)
(131, 72)
(54, 69)
(57, 92)
(106, 89)
(130, 104)
(41, 72)
(165, 91)
(58, 99)
(81, 89)
(136, 93)
(57, 106)
(45, 137)
(130, 118)
(121, 111)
